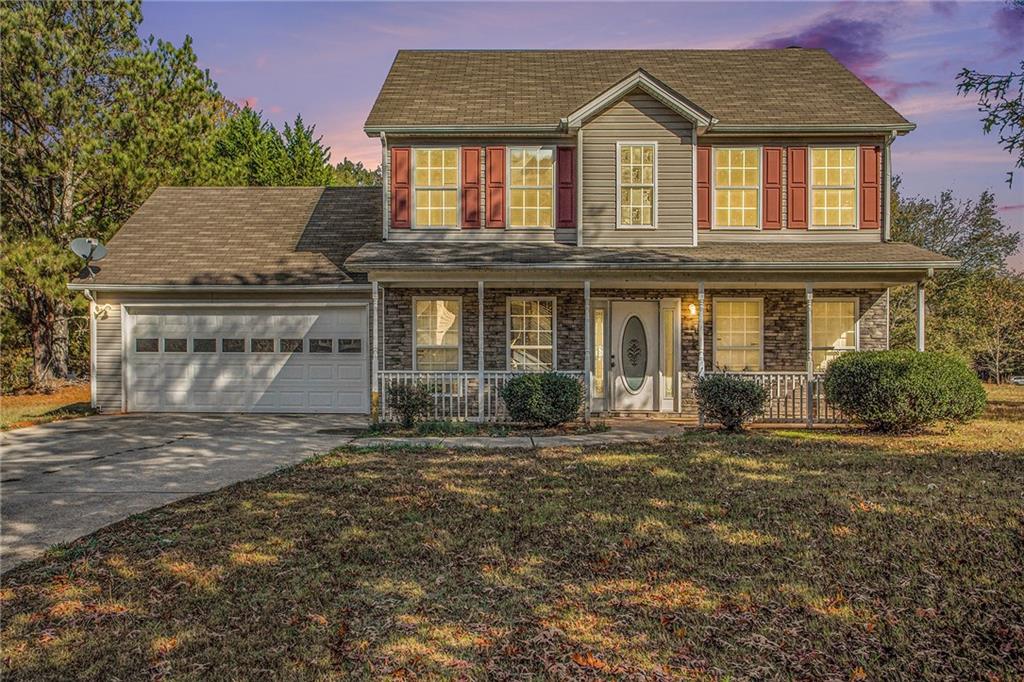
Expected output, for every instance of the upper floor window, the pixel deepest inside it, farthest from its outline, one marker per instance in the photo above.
(833, 186)
(531, 187)
(737, 185)
(436, 187)
(437, 337)
(637, 184)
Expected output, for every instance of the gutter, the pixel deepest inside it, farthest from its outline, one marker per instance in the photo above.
(899, 129)
(376, 131)
(821, 265)
(207, 288)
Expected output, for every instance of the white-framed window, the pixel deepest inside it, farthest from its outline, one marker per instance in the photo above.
(531, 334)
(531, 187)
(834, 329)
(737, 192)
(738, 331)
(833, 187)
(435, 186)
(637, 184)
(437, 334)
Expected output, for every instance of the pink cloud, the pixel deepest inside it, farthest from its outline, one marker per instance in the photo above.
(1011, 207)
(251, 102)
(927, 104)
(275, 109)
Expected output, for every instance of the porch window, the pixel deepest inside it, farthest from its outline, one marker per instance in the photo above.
(833, 186)
(737, 186)
(531, 187)
(531, 334)
(738, 334)
(437, 336)
(833, 329)
(436, 187)
(637, 183)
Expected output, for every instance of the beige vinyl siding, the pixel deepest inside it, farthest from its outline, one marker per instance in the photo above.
(638, 117)
(108, 360)
(804, 235)
(561, 235)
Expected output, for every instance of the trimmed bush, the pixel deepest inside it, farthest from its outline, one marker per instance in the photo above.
(901, 390)
(548, 399)
(410, 402)
(730, 401)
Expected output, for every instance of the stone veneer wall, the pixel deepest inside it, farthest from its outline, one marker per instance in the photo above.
(397, 310)
(785, 347)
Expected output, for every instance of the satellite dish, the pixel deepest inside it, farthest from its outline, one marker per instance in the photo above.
(89, 249)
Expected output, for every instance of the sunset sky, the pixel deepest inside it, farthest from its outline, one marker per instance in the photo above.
(327, 60)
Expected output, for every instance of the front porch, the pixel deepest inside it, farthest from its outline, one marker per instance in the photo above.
(637, 350)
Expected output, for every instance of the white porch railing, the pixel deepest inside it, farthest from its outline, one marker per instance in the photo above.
(456, 394)
(790, 396)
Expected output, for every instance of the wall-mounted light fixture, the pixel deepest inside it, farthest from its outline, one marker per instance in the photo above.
(693, 309)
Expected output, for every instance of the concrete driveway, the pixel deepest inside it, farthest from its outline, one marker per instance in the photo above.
(63, 480)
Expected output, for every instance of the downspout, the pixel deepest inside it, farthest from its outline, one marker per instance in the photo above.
(887, 191)
(579, 186)
(384, 174)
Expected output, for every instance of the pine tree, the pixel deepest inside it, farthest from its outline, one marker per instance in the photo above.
(92, 119)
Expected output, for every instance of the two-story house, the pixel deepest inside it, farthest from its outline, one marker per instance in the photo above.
(634, 217)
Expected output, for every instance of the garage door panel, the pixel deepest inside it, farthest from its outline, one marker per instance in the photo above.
(266, 380)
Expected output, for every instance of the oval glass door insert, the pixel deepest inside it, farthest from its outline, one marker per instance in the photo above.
(634, 353)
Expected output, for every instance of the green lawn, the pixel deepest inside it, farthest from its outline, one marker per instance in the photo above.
(67, 402)
(792, 554)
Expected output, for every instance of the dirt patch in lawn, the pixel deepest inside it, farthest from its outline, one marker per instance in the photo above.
(793, 554)
(29, 409)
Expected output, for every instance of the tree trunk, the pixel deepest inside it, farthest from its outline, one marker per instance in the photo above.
(48, 334)
(40, 332)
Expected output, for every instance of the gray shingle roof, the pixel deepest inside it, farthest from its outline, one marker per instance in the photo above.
(242, 236)
(797, 87)
(738, 255)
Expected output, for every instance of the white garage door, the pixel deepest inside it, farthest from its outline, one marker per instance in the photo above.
(291, 359)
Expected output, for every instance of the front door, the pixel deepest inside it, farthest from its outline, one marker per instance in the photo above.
(634, 358)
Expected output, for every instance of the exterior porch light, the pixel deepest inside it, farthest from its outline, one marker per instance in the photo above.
(692, 308)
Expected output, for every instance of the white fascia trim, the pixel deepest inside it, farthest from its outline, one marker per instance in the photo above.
(206, 288)
(460, 129)
(819, 265)
(642, 80)
(900, 129)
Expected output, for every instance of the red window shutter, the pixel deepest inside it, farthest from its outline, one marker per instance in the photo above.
(796, 196)
(496, 187)
(870, 188)
(772, 188)
(566, 200)
(400, 190)
(470, 188)
(704, 187)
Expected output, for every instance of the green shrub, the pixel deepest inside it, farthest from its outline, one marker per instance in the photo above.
(410, 402)
(901, 390)
(446, 427)
(730, 401)
(548, 399)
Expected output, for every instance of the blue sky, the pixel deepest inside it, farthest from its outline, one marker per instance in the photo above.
(327, 60)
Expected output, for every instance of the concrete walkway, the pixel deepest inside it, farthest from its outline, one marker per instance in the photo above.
(63, 480)
(620, 431)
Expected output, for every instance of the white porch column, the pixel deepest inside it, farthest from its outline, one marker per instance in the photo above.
(810, 355)
(480, 350)
(700, 342)
(375, 354)
(920, 316)
(588, 352)
(700, 328)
